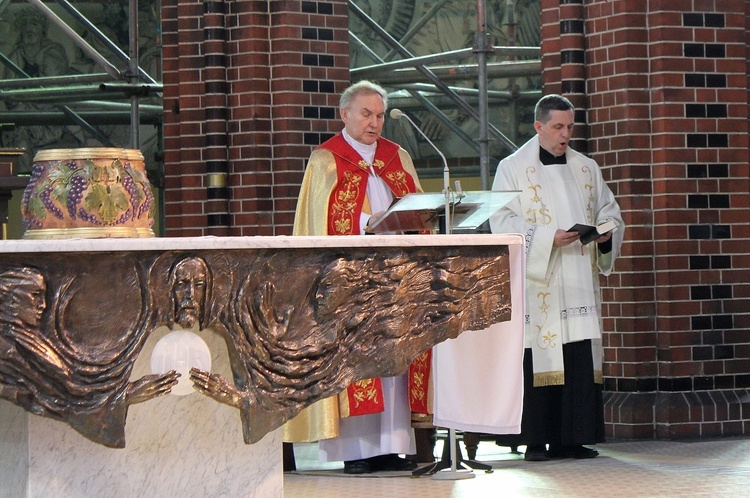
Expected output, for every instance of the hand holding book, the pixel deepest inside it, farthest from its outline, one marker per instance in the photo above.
(589, 233)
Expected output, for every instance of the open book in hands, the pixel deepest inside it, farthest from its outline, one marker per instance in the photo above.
(588, 233)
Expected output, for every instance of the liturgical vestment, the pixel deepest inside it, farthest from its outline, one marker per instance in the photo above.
(339, 193)
(562, 284)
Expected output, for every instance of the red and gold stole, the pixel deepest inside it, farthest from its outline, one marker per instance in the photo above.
(344, 209)
(348, 196)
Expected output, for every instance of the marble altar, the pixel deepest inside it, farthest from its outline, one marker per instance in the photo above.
(287, 320)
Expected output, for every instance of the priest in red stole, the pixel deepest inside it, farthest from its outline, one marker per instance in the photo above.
(349, 178)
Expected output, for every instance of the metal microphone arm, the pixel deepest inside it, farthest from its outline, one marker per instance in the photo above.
(398, 114)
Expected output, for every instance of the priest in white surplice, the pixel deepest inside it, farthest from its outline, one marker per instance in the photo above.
(559, 187)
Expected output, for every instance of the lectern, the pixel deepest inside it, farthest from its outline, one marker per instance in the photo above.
(424, 211)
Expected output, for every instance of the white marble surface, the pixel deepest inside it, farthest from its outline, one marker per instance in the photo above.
(176, 447)
(196, 452)
(277, 242)
(14, 450)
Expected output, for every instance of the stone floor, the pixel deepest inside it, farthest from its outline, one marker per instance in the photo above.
(715, 468)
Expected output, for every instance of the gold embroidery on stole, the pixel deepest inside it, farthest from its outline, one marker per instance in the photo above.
(345, 203)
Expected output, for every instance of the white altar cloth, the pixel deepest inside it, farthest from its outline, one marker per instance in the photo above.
(478, 376)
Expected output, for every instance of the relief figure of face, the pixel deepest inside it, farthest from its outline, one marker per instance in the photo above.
(23, 293)
(31, 300)
(189, 288)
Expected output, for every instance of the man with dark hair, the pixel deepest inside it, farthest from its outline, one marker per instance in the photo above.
(563, 357)
(349, 178)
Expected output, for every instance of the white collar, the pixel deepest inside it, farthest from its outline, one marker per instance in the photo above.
(366, 151)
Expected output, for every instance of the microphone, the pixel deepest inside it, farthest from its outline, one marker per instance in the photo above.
(398, 114)
(459, 191)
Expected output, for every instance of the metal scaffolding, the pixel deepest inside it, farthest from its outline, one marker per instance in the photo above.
(93, 93)
(425, 81)
(124, 93)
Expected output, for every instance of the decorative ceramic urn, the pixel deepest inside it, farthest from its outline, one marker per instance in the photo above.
(88, 193)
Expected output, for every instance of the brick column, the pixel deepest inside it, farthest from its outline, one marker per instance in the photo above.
(250, 87)
(621, 141)
(573, 67)
(551, 46)
(310, 64)
(215, 152)
(184, 169)
(668, 106)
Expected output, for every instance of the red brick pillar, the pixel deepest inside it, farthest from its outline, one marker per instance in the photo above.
(573, 67)
(551, 46)
(215, 126)
(250, 87)
(620, 127)
(667, 107)
(310, 69)
(184, 169)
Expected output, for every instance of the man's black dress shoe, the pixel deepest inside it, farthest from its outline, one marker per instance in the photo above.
(357, 467)
(557, 451)
(393, 462)
(577, 451)
(536, 453)
(379, 463)
(581, 452)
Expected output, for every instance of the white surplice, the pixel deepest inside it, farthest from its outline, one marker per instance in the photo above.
(563, 300)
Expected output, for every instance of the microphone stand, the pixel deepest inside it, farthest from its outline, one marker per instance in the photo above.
(398, 114)
(445, 469)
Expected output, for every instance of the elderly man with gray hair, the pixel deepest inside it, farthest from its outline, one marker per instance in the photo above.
(349, 178)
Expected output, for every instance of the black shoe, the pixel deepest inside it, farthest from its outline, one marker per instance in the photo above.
(391, 462)
(536, 453)
(581, 452)
(572, 451)
(556, 451)
(357, 467)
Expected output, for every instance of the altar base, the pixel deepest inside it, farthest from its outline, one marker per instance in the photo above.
(197, 451)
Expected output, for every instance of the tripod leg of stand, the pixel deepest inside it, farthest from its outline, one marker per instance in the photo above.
(452, 452)
(478, 466)
(443, 463)
(455, 473)
(428, 470)
(470, 461)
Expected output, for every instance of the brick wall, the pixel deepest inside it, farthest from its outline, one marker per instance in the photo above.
(662, 90)
(667, 119)
(250, 87)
